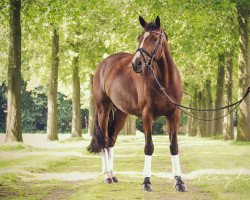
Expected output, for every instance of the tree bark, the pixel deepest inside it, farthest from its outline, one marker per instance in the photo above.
(218, 124)
(76, 130)
(228, 127)
(209, 105)
(199, 105)
(203, 124)
(193, 131)
(52, 131)
(92, 108)
(243, 131)
(14, 118)
(130, 126)
(190, 121)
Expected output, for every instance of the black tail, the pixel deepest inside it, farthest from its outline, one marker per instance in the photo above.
(99, 141)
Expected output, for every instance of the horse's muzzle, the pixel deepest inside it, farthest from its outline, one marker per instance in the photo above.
(137, 66)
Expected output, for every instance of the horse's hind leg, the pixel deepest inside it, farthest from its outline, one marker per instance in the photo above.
(114, 128)
(176, 169)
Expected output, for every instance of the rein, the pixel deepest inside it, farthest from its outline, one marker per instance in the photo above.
(148, 63)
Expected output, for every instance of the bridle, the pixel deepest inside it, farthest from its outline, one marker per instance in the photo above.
(151, 56)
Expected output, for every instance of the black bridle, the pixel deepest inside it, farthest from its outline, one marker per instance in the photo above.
(151, 56)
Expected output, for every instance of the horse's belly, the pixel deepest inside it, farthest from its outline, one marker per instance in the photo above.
(126, 102)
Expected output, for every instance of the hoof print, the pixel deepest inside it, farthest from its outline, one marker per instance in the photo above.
(147, 187)
(108, 181)
(115, 180)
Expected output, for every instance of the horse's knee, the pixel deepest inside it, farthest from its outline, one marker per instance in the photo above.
(174, 149)
(149, 149)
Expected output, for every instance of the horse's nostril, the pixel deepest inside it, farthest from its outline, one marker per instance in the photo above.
(139, 63)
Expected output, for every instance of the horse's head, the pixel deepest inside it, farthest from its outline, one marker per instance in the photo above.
(150, 45)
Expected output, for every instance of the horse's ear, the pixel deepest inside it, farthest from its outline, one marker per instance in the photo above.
(142, 22)
(157, 22)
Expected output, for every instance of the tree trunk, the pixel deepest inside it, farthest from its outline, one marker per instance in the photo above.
(203, 128)
(243, 131)
(218, 124)
(14, 118)
(194, 128)
(76, 130)
(228, 127)
(199, 105)
(209, 105)
(190, 122)
(52, 132)
(92, 108)
(129, 127)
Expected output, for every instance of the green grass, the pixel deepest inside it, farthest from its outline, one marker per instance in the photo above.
(195, 154)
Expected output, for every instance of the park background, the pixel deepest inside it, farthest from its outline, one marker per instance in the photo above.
(49, 55)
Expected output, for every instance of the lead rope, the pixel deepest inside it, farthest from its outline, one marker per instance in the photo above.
(236, 104)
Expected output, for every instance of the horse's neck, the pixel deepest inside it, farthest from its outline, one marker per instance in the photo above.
(166, 67)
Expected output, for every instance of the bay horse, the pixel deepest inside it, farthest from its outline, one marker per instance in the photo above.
(124, 84)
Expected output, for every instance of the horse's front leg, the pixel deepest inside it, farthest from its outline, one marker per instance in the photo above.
(148, 150)
(176, 169)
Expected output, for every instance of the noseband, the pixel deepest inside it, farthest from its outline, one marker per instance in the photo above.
(151, 56)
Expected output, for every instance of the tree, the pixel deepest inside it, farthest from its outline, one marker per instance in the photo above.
(92, 108)
(76, 130)
(228, 127)
(14, 118)
(130, 126)
(209, 105)
(52, 131)
(243, 131)
(218, 124)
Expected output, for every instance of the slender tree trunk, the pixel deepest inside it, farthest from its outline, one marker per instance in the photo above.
(209, 102)
(190, 122)
(92, 108)
(199, 105)
(14, 118)
(194, 128)
(243, 131)
(129, 127)
(218, 124)
(228, 128)
(203, 132)
(76, 130)
(52, 132)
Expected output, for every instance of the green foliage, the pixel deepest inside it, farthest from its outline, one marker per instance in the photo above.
(159, 125)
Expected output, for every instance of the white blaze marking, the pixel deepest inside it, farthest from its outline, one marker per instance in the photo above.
(176, 168)
(146, 34)
(147, 166)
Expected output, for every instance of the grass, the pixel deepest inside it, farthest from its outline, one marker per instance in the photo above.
(22, 168)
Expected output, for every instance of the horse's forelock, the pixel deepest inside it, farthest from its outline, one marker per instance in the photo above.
(151, 27)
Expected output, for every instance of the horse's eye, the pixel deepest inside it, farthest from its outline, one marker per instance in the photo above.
(155, 39)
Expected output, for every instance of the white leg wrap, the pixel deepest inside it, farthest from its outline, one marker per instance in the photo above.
(111, 160)
(105, 163)
(176, 168)
(147, 166)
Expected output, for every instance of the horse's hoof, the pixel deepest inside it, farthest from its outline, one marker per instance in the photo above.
(108, 181)
(115, 180)
(180, 185)
(147, 187)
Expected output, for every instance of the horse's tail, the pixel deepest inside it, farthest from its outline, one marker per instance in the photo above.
(99, 141)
